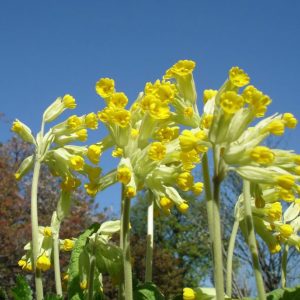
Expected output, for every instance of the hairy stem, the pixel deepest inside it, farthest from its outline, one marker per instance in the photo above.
(230, 257)
(126, 246)
(57, 273)
(150, 229)
(252, 241)
(284, 266)
(217, 235)
(35, 229)
(208, 194)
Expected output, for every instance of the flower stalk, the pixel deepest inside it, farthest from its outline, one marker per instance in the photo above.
(57, 273)
(230, 251)
(150, 230)
(252, 241)
(35, 228)
(217, 235)
(284, 266)
(125, 239)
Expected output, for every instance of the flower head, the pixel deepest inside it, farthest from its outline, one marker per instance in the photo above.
(43, 263)
(105, 87)
(238, 77)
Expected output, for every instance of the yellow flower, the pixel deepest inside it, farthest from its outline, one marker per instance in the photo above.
(47, 231)
(206, 121)
(94, 152)
(124, 174)
(167, 134)
(130, 192)
(22, 263)
(275, 211)
(286, 181)
(189, 294)
(74, 122)
(257, 100)
(274, 248)
(118, 99)
(121, 117)
(262, 155)
(183, 207)
(165, 203)
(69, 101)
(197, 188)
(276, 127)
(83, 284)
(238, 77)
(189, 159)
(286, 194)
(105, 115)
(286, 230)
(68, 245)
(76, 163)
(164, 91)
(209, 94)
(70, 184)
(81, 135)
(134, 133)
(91, 121)
(105, 87)
(181, 68)
(189, 140)
(23, 131)
(289, 120)
(188, 112)
(185, 181)
(43, 263)
(118, 152)
(157, 151)
(231, 102)
(92, 188)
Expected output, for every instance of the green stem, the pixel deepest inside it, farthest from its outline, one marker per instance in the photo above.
(121, 291)
(252, 241)
(284, 266)
(91, 277)
(57, 273)
(126, 246)
(217, 235)
(35, 229)
(150, 230)
(208, 195)
(230, 257)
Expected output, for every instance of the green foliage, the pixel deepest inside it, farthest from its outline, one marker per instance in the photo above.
(22, 290)
(109, 260)
(285, 294)
(147, 291)
(3, 295)
(74, 290)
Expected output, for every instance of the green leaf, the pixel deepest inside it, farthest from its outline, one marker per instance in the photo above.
(147, 291)
(109, 227)
(109, 260)
(63, 205)
(22, 290)
(74, 290)
(285, 294)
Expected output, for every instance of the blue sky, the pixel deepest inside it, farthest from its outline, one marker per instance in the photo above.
(49, 48)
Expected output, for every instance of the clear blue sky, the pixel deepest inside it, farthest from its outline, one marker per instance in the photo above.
(49, 48)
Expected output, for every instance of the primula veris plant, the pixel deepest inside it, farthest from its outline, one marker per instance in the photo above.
(157, 141)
